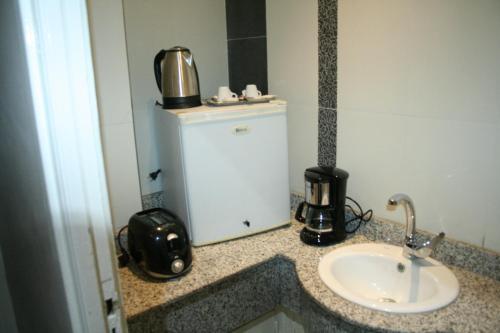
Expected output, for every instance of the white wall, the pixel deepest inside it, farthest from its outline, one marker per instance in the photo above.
(292, 60)
(419, 110)
(115, 109)
(160, 24)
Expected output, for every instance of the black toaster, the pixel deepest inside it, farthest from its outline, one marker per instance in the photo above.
(159, 243)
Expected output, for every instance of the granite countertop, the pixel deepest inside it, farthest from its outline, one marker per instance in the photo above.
(477, 308)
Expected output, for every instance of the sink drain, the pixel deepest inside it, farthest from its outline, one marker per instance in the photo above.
(386, 300)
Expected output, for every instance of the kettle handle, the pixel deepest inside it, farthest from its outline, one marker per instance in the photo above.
(298, 212)
(157, 67)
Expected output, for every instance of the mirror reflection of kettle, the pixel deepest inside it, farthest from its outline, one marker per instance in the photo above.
(177, 78)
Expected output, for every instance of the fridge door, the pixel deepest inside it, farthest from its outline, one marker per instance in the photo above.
(236, 176)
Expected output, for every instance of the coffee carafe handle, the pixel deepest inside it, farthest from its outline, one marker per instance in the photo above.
(298, 213)
(157, 67)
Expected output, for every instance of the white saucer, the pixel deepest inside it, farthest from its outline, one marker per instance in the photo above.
(225, 100)
(263, 97)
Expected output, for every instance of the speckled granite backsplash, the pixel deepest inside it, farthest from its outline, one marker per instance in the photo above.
(452, 252)
(153, 200)
(295, 200)
(449, 251)
(157, 199)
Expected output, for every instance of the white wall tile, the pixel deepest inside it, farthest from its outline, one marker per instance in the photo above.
(121, 171)
(293, 76)
(115, 108)
(302, 143)
(147, 155)
(110, 61)
(419, 111)
(452, 177)
(421, 58)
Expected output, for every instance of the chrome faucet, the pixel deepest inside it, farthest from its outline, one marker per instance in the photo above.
(411, 248)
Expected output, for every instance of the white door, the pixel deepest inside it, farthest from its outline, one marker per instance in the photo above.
(63, 97)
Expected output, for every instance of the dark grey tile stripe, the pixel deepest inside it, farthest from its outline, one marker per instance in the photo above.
(242, 71)
(295, 200)
(245, 18)
(327, 53)
(247, 44)
(327, 49)
(243, 38)
(153, 200)
(327, 132)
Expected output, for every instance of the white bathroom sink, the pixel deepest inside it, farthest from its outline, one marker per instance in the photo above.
(379, 277)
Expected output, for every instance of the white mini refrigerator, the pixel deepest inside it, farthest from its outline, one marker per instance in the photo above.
(225, 169)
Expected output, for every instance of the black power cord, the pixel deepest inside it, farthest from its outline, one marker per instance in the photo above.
(362, 217)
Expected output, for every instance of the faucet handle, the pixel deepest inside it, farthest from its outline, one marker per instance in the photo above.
(435, 240)
(427, 247)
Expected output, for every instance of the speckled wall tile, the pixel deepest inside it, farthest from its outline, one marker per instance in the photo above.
(295, 200)
(327, 134)
(153, 200)
(449, 251)
(327, 49)
(327, 25)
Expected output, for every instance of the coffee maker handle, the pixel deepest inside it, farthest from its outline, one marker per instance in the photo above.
(157, 67)
(298, 212)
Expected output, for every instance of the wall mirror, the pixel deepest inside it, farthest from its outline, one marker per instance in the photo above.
(234, 42)
(418, 111)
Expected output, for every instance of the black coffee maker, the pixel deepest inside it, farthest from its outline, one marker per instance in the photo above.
(323, 210)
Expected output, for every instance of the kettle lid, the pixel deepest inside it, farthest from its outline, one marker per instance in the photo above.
(178, 49)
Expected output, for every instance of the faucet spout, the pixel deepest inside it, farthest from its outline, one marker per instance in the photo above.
(407, 203)
(411, 247)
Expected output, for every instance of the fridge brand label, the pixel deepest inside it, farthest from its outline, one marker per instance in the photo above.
(241, 130)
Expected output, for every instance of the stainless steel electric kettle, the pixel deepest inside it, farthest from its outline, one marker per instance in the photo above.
(177, 78)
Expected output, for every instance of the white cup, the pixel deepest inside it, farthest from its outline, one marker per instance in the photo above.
(251, 91)
(225, 93)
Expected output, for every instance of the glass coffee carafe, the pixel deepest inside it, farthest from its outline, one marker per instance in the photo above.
(319, 219)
